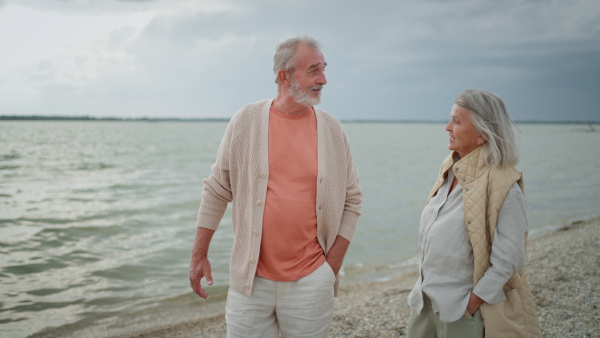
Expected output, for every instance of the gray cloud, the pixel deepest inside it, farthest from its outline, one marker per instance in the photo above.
(393, 60)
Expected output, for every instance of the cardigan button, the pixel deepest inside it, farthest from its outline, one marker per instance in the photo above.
(247, 286)
(255, 232)
(251, 260)
(259, 202)
(263, 175)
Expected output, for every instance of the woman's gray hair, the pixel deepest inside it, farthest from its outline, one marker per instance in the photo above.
(491, 119)
(284, 56)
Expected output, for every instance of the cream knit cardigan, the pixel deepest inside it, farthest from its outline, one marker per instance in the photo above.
(484, 190)
(241, 173)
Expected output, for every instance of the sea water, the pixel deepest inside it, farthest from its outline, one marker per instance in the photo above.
(97, 219)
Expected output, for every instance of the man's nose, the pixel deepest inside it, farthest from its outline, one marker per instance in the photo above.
(322, 79)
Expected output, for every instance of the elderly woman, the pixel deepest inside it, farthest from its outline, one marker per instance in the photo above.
(473, 233)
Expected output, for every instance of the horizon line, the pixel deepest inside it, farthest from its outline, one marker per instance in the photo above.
(226, 119)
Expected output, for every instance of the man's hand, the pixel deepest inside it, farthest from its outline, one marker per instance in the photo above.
(336, 254)
(200, 268)
(200, 265)
(474, 303)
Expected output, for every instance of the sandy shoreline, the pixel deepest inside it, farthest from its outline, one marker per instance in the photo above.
(563, 268)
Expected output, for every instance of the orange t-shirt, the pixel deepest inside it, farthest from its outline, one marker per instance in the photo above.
(289, 248)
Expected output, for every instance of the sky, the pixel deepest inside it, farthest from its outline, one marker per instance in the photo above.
(387, 60)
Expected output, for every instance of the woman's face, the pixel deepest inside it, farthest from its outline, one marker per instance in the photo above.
(464, 138)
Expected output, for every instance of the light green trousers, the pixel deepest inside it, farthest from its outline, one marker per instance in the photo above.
(428, 325)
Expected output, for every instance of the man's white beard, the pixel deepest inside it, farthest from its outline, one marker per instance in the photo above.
(301, 97)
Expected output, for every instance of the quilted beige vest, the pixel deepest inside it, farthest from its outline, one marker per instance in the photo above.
(484, 190)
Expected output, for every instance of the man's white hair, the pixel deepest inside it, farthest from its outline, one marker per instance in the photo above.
(284, 55)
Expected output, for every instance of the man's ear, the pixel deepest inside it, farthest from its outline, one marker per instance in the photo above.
(284, 77)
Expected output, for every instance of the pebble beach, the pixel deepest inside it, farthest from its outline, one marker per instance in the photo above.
(563, 268)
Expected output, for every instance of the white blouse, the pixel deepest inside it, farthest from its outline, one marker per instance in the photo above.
(446, 255)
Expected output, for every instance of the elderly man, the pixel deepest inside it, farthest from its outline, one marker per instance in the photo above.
(287, 167)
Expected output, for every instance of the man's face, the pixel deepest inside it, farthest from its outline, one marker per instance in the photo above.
(309, 78)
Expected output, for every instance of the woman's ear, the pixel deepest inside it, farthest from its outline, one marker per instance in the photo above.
(481, 139)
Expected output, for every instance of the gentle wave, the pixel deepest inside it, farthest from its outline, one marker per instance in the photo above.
(97, 220)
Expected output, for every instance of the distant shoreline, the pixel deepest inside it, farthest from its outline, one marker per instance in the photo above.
(107, 119)
(216, 119)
